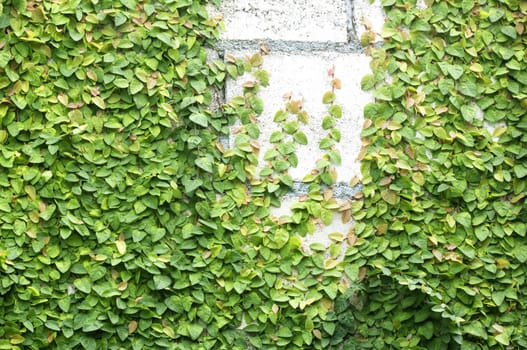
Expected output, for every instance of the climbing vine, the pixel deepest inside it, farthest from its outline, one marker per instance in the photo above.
(441, 229)
(126, 221)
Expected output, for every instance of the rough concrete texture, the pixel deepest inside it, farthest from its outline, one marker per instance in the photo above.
(341, 190)
(305, 77)
(294, 20)
(367, 17)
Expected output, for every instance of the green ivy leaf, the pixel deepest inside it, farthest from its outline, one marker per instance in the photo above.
(290, 127)
(390, 197)
(284, 332)
(199, 119)
(276, 136)
(503, 338)
(328, 122)
(468, 88)
(495, 14)
(335, 111)
(520, 170)
(300, 138)
(194, 330)
(83, 284)
(509, 31)
(99, 102)
(367, 82)
(205, 163)
(463, 218)
(329, 97)
(5, 57)
(455, 71)
(384, 93)
(326, 143)
(167, 39)
(161, 282)
(468, 113)
(281, 237)
(5, 207)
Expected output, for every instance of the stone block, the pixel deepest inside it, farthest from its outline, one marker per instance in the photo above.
(288, 20)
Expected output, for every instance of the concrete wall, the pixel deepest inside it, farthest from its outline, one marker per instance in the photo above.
(306, 39)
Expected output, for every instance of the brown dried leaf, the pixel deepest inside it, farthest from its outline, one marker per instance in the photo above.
(453, 256)
(437, 254)
(249, 84)
(352, 239)
(122, 286)
(132, 326)
(362, 273)
(345, 205)
(328, 194)
(275, 308)
(355, 180)
(386, 181)
(264, 48)
(346, 216)
(520, 28)
(230, 58)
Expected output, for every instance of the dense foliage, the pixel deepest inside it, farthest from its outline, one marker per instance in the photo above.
(125, 223)
(442, 228)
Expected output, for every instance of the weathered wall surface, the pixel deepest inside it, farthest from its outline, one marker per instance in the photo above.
(306, 39)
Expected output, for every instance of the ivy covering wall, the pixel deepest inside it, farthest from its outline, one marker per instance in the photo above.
(443, 223)
(127, 224)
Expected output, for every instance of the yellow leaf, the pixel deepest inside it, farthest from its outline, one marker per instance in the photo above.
(476, 67)
(63, 99)
(121, 246)
(390, 197)
(34, 216)
(91, 74)
(16, 339)
(450, 221)
(354, 181)
(31, 191)
(99, 102)
(418, 178)
(498, 131)
(122, 287)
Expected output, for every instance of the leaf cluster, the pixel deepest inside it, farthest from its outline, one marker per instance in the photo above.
(442, 224)
(125, 223)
